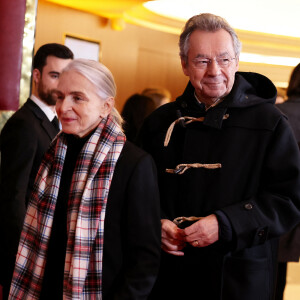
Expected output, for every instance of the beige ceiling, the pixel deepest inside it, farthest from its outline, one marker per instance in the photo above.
(121, 12)
(125, 11)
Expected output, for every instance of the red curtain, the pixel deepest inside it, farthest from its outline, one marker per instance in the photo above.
(12, 20)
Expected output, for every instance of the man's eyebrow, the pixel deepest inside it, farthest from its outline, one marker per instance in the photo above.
(201, 56)
(207, 56)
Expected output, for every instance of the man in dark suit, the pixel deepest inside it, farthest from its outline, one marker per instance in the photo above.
(24, 139)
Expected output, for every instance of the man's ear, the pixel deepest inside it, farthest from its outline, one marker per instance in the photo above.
(184, 67)
(237, 63)
(36, 75)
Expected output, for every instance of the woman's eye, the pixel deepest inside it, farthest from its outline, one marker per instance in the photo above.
(76, 98)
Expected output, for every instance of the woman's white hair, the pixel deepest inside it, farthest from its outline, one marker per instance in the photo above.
(102, 79)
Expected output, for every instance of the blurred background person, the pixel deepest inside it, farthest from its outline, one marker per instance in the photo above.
(281, 95)
(289, 244)
(24, 140)
(92, 229)
(139, 106)
(291, 107)
(159, 95)
(136, 109)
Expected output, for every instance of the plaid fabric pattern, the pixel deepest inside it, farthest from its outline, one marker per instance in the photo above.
(86, 211)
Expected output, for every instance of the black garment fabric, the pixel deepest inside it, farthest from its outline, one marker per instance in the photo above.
(24, 139)
(289, 243)
(291, 108)
(257, 189)
(55, 123)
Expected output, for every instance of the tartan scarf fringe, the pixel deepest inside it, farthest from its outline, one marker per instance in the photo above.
(86, 212)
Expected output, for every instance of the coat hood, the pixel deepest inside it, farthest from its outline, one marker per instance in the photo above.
(249, 89)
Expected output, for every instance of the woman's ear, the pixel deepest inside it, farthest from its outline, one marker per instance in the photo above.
(108, 106)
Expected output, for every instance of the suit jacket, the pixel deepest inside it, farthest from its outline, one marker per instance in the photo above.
(24, 139)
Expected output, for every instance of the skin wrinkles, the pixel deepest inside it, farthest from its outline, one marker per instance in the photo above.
(213, 82)
(78, 106)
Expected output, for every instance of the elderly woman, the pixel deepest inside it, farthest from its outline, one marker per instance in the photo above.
(92, 229)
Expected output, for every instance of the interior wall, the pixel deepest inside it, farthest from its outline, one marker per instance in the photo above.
(140, 57)
(137, 57)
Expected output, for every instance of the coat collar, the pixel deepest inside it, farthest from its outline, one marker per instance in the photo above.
(189, 106)
(40, 115)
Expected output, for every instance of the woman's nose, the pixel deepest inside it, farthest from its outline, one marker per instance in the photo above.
(64, 105)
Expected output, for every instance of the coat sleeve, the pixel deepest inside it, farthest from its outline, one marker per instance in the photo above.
(18, 148)
(141, 233)
(275, 208)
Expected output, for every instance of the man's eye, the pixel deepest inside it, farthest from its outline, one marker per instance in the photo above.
(223, 61)
(57, 97)
(202, 62)
(54, 76)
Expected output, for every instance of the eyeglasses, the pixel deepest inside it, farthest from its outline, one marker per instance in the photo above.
(203, 63)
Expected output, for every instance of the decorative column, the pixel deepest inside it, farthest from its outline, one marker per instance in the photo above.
(17, 21)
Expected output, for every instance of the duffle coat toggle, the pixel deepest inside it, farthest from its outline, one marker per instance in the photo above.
(181, 168)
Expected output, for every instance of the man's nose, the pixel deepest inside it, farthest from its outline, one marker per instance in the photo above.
(213, 68)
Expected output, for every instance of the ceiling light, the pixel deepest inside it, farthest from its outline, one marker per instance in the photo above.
(268, 16)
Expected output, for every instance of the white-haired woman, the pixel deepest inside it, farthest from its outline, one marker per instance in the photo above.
(92, 229)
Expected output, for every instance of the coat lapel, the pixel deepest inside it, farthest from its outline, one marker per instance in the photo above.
(50, 130)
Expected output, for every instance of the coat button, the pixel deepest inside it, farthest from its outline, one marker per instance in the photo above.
(248, 206)
(183, 104)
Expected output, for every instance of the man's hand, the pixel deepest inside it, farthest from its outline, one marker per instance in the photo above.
(172, 238)
(203, 232)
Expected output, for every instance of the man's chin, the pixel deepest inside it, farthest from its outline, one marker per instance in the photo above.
(216, 93)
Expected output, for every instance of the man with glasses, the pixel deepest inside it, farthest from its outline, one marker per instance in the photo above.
(229, 173)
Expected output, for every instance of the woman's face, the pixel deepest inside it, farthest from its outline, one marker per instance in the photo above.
(78, 106)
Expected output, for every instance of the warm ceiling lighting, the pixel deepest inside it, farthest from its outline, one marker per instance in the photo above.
(270, 60)
(268, 16)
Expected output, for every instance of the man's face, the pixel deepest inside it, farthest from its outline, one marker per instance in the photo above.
(211, 80)
(47, 80)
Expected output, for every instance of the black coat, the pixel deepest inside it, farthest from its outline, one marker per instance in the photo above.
(131, 254)
(289, 244)
(24, 139)
(291, 108)
(257, 190)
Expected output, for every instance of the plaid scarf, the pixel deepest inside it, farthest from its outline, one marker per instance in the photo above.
(85, 220)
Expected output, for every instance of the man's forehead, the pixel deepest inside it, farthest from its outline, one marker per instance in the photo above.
(56, 63)
(204, 43)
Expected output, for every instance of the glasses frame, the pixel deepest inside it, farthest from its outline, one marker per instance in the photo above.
(208, 61)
